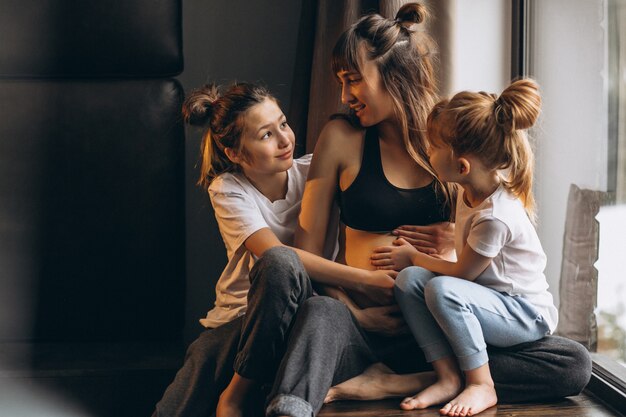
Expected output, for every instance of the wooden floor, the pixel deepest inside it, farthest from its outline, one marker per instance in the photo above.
(583, 405)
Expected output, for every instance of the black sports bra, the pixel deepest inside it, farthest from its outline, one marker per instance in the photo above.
(371, 203)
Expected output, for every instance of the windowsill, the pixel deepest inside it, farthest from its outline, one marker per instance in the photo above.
(608, 382)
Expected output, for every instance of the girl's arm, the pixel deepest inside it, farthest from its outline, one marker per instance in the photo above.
(325, 271)
(434, 239)
(469, 265)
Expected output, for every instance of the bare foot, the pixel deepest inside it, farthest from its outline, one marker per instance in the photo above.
(378, 382)
(474, 399)
(439, 392)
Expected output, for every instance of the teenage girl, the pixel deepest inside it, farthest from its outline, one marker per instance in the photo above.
(496, 293)
(256, 187)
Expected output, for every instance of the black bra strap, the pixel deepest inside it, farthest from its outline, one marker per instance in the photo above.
(371, 162)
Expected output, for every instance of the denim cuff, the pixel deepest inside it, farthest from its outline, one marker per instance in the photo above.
(437, 350)
(473, 361)
(290, 405)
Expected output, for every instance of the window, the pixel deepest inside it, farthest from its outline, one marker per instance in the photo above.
(576, 50)
(611, 310)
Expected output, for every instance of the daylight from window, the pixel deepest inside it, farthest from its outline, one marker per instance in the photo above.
(611, 311)
(611, 302)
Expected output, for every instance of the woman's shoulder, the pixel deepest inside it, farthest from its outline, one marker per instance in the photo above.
(339, 133)
(341, 127)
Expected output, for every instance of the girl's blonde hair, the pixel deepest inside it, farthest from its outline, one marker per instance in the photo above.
(222, 117)
(493, 129)
(405, 61)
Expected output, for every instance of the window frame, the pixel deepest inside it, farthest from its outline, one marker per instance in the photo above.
(608, 377)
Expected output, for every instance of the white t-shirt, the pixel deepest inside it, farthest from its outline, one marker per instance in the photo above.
(241, 210)
(499, 228)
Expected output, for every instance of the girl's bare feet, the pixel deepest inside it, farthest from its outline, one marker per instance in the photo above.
(473, 400)
(479, 394)
(378, 382)
(440, 392)
(447, 386)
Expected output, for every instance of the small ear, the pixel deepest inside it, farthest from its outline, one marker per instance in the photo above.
(464, 166)
(232, 155)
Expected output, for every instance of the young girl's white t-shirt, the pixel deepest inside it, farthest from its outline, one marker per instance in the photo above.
(241, 210)
(499, 228)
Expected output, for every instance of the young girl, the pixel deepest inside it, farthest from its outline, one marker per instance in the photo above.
(256, 187)
(501, 295)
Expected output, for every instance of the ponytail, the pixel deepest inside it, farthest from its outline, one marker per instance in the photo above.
(494, 129)
(221, 116)
(519, 106)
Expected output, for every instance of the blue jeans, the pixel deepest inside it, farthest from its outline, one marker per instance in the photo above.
(453, 316)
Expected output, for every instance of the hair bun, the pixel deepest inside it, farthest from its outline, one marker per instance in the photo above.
(411, 13)
(521, 102)
(198, 106)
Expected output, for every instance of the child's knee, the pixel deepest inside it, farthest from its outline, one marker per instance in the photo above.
(411, 280)
(441, 291)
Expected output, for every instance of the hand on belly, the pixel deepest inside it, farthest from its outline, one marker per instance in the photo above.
(359, 246)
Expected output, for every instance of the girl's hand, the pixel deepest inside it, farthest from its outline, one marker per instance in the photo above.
(395, 257)
(435, 239)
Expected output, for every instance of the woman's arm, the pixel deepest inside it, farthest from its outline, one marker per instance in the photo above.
(385, 319)
(322, 185)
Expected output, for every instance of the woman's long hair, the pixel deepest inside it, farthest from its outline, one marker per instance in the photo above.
(404, 58)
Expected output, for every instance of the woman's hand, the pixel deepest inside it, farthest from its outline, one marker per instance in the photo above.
(378, 288)
(395, 257)
(380, 279)
(385, 320)
(436, 239)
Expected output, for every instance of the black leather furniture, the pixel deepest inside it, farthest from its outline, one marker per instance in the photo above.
(92, 266)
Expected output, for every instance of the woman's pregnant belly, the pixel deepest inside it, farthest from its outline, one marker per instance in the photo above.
(359, 246)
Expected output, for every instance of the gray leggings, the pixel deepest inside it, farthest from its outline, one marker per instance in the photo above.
(306, 344)
(327, 346)
(251, 345)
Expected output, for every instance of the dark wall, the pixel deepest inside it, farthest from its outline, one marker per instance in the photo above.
(91, 171)
(226, 41)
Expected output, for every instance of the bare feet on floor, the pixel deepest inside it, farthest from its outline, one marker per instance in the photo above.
(440, 392)
(474, 399)
(378, 382)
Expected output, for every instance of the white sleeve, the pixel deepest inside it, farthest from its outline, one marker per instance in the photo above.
(488, 236)
(238, 216)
